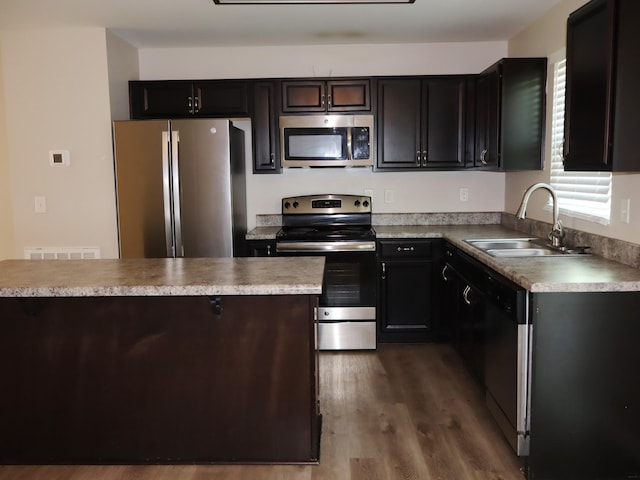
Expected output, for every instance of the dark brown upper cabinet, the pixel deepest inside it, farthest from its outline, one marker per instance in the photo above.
(182, 99)
(266, 139)
(421, 123)
(345, 95)
(602, 96)
(510, 115)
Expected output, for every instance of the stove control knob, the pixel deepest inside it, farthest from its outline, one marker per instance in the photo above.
(357, 203)
(287, 204)
(296, 204)
(365, 203)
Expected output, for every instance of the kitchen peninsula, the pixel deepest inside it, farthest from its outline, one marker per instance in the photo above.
(159, 360)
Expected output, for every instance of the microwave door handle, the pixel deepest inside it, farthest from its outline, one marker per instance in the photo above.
(348, 143)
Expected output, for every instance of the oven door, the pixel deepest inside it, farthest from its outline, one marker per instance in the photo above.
(347, 306)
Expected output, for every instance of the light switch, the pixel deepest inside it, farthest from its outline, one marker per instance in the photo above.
(40, 204)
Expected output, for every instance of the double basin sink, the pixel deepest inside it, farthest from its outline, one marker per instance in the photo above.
(523, 247)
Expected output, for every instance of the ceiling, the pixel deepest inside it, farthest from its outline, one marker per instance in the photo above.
(194, 23)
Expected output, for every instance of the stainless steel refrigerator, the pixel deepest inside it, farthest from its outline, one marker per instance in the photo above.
(180, 188)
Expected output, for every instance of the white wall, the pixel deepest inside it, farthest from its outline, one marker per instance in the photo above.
(412, 191)
(57, 97)
(547, 37)
(6, 222)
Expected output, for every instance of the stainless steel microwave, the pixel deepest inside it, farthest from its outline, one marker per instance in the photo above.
(326, 140)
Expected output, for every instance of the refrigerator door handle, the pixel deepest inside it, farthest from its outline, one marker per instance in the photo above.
(175, 194)
(166, 191)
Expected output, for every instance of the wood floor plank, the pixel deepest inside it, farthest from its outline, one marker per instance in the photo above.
(402, 412)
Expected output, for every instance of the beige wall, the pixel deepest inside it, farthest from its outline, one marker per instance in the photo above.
(122, 59)
(412, 191)
(6, 222)
(57, 97)
(547, 37)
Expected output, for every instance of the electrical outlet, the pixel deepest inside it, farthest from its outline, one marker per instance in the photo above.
(389, 196)
(464, 194)
(625, 210)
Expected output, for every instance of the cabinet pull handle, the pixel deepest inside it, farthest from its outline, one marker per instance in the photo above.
(384, 271)
(329, 100)
(483, 157)
(444, 273)
(196, 106)
(418, 158)
(216, 305)
(406, 249)
(272, 159)
(322, 101)
(425, 157)
(190, 104)
(465, 295)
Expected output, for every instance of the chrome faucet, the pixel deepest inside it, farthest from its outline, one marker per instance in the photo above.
(556, 236)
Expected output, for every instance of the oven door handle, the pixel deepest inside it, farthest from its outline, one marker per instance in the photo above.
(321, 247)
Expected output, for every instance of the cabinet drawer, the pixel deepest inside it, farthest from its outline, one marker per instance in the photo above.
(410, 248)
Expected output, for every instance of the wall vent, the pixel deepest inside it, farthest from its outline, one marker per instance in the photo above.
(61, 253)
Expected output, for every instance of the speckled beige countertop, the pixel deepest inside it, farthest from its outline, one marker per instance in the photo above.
(158, 277)
(588, 273)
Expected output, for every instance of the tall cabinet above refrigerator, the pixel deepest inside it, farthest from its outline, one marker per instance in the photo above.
(180, 188)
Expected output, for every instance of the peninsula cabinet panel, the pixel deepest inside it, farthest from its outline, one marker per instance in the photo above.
(158, 380)
(585, 396)
(184, 99)
(603, 99)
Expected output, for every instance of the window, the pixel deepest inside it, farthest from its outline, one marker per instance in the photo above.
(585, 195)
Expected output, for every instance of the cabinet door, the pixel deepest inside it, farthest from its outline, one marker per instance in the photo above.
(160, 99)
(261, 248)
(487, 118)
(399, 124)
(588, 94)
(349, 95)
(443, 127)
(303, 96)
(405, 299)
(220, 98)
(266, 141)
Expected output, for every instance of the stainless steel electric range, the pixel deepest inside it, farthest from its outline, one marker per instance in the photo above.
(339, 228)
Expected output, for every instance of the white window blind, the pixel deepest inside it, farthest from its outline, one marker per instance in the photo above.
(585, 195)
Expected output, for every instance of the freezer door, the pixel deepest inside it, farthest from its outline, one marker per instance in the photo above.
(139, 151)
(203, 208)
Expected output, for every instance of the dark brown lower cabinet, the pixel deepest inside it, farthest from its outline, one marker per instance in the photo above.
(158, 380)
(409, 289)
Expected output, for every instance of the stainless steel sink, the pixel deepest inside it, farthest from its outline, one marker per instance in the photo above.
(522, 247)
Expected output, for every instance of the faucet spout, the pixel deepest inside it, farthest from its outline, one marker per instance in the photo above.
(557, 233)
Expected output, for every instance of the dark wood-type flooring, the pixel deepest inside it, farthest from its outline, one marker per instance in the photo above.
(402, 412)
